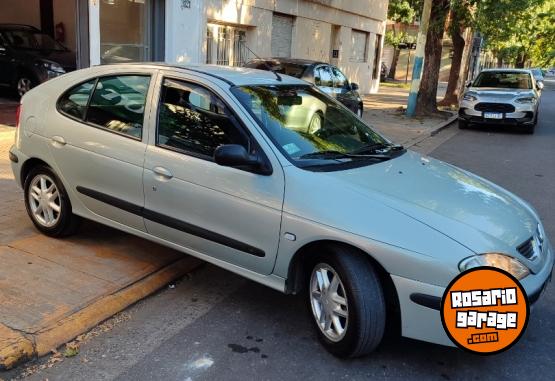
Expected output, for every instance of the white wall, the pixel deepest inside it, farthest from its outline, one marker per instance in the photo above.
(185, 32)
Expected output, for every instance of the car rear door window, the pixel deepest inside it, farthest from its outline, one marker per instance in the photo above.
(74, 102)
(118, 104)
(194, 120)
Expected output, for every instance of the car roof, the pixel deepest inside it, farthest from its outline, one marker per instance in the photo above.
(232, 75)
(508, 70)
(298, 61)
(17, 27)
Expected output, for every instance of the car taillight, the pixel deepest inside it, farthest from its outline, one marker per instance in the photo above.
(17, 115)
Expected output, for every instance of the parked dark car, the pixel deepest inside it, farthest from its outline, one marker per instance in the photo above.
(327, 77)
(29, 57)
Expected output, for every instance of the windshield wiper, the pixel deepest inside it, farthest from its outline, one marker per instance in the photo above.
(333, 155)
(369, 148)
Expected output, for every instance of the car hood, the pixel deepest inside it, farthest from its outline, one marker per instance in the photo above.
(471, 210)
(65, 58)
(498, 94)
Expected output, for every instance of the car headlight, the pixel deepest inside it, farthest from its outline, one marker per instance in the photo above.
(470, 97)
(501, 261)
(53, 66)
(526, 100)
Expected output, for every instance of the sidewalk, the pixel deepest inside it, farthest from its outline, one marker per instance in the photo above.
(385, 111)
(52, 290)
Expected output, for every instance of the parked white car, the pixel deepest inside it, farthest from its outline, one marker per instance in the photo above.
(203, 159)
(508, 97)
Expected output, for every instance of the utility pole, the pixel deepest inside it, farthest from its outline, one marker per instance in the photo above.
(419, 57)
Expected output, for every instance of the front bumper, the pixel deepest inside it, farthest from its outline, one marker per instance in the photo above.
(514, 118)
(420, 303)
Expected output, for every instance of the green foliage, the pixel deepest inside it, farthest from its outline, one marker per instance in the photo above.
(401, 11)
(396, 38)
(519, 30)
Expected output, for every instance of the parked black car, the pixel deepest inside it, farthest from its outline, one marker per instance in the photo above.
(327, 77)
(29, 57)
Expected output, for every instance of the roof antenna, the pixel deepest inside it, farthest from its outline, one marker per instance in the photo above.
(278, 77)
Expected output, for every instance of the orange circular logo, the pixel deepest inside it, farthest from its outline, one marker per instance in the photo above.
(484, 310)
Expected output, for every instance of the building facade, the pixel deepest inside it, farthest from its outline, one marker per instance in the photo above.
(347, 33)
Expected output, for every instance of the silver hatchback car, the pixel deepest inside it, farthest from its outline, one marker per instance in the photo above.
(503, 97)
(268, 177)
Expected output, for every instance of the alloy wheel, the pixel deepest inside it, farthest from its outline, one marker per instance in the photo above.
(329, 302)
(44, 200)
(23, 86)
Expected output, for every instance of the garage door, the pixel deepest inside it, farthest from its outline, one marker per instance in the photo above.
(282, 34)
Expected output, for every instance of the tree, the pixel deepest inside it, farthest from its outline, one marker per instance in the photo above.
(513, 30)
(460, 21)
(426, 103)
(399, 11)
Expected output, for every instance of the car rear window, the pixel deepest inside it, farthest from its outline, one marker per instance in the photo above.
(74, 102)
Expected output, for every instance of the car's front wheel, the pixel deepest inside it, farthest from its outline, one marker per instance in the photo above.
(347, 302)
(47, 203)
(24, 84)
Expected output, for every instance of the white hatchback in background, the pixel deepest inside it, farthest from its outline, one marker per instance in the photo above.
(227, 165)
(508, 97)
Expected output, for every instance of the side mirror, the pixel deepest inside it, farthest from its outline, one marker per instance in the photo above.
(354, 86)
(539, 85)
(235, 155)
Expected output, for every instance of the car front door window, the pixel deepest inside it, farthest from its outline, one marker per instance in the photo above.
(195, 121)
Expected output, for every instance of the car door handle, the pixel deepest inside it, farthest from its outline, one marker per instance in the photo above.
(58, 141)
(162, 173)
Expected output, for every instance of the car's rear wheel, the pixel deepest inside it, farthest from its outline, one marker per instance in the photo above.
(463, 124)
(359, 111)
(47, 203)
(347, 302)
(24, 84)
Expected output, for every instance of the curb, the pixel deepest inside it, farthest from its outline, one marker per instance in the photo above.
(433, 131)
(17, 347)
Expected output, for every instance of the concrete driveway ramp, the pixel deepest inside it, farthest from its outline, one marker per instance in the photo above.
(53, 290)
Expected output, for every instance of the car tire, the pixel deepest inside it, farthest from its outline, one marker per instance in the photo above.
(23, 84)
(48, 204)
(529, 129)
(359, 111)
(463, 124)
(354, 291)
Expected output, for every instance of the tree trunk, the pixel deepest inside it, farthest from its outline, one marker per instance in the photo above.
(521, 60)
(464, 78)
(394, 61)
(499, 61)
(426, 103)
(452, 93)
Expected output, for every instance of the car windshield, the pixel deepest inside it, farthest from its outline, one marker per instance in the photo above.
(30, 39)
(308, 125)
(511, 80)
(537, 72)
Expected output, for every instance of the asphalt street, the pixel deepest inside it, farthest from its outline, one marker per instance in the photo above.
(214, 325)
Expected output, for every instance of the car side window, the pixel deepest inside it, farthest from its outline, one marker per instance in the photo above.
(118, 104)
(339, 80)
(74, 101)
(195, 121)
(324, 75)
